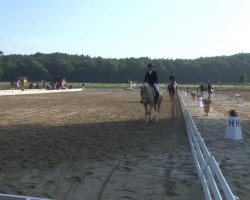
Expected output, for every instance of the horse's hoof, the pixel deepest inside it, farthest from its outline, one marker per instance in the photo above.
(157, 120)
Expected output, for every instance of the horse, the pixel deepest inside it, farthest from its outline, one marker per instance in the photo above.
(148, 100)
(172, 90)
(15, 85)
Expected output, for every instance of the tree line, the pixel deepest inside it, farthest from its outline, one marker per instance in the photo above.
(83, 68)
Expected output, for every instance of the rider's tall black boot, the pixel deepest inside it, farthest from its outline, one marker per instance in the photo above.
(157, 97)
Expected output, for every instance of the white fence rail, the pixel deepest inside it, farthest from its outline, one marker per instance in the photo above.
(213, 182)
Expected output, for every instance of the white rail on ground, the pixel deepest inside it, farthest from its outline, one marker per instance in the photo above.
(213, 182)
(16, 197)
(34, 91)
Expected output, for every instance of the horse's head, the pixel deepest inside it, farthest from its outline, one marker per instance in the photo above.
(145, 92)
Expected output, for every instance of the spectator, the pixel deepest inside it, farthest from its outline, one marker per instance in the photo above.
(209, 89)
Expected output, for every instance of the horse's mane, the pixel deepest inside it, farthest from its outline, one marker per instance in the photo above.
(148, 91)
(145, 87)
(146, 84)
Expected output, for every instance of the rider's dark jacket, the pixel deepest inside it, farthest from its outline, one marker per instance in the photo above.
(151, 78)
(172, 78)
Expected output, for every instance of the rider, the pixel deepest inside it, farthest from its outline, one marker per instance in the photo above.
(151, 78)
(172, 77)
(172, 80)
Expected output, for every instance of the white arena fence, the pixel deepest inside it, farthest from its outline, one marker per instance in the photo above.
(213, 182)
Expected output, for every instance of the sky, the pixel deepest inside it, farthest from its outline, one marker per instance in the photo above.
(170, 29)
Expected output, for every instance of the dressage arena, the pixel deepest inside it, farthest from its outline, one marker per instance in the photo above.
(96, 145)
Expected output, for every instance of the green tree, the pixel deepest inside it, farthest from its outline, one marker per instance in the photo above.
(36, 71)
(97, 69)
(60, 66)
(10, 70)
(243, 79)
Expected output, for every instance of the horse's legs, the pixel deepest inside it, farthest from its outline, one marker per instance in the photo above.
(148, 114)
(157, 112)
(158, 109)
(171, 96)
(155, 109)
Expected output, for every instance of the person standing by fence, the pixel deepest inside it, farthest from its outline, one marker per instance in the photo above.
(209, 89)
(202, 89)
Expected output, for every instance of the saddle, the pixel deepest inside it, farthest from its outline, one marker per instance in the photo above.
(152, 88)
(155, 94)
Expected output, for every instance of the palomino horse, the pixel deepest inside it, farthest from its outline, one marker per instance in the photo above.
(148, 100)
(172, 90)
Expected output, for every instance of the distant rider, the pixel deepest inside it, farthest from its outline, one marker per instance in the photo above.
(172, 77)
(172, 80)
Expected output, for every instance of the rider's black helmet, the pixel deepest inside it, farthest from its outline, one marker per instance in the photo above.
(150, 65)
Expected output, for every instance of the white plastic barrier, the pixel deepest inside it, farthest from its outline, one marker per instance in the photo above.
(213, 182)
(233, 130)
